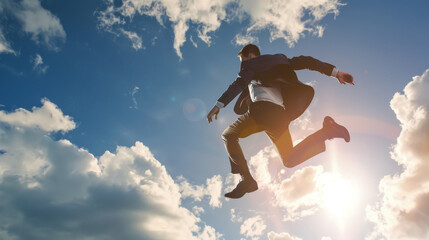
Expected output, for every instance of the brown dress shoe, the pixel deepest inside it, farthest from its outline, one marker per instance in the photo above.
(242, 188)
(334, 130)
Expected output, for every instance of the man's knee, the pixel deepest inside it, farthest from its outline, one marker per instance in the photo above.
(286, 159)
(229, 135)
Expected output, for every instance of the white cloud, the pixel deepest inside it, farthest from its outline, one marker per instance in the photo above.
(231, 182)
(288, 20)
(241, 39)
(304, 121)
(304, 192)
(48, 118)
(301, 194)
(55, 190)
(136, 89)
(134, 38)
(4, 44)
(193, 42)
(326, 238)
(206, 14)
(281, 236)
(197, 210)
(235, 217)
(253, 227)
(38, 64)
(40, 23)
(403, 210)
(259, 164)
(209, 233)
(212, 189)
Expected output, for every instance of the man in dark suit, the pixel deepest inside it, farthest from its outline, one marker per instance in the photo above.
(271, 97)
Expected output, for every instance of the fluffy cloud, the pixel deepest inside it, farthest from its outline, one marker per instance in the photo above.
(302, 194)
(402, 212)
(253, 227)
(48, 118)
(304, 121)
(281, 236)
(38, 64)
(288, 20)
(235, 217)
(134, 38)
(206, 14)
(231, 182)
(197, 210)
(55, 190)
(40, 23)
(240, 39)
(212, 190)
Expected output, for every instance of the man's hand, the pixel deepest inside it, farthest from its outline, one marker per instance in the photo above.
(215, 112)
(344, 78)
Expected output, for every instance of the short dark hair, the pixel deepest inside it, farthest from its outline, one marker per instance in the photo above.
(249, 48)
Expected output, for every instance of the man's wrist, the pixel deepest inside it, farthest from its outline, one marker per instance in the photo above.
(219, 104)
(334, 72)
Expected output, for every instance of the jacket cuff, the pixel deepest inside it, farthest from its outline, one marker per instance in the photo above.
(334, 72)
(219, 104)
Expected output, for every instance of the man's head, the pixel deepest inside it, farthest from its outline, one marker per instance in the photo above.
(249, 51)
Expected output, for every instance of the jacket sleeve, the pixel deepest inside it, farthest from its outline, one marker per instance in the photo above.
(233, 90)
(241, 83)
(306, 62)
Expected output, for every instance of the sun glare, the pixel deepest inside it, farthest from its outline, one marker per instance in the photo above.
(339, 197)
(336, 195)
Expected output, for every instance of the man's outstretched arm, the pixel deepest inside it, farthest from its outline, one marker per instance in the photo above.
(306, 62)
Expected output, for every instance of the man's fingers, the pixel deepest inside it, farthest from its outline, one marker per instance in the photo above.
(215, 112)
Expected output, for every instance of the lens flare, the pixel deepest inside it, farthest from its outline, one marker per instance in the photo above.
(194, 109)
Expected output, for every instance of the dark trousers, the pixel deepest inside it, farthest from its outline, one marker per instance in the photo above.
(274, 120)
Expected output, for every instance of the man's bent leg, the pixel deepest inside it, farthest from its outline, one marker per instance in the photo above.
(243, 127)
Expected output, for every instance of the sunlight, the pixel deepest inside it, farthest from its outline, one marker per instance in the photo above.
(339, 195)
(339, 198)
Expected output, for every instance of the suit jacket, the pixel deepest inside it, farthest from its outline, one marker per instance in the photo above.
(276, 71)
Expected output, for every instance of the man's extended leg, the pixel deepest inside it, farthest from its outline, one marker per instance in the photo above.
(243, 127)
(310, 146)
(306, 149)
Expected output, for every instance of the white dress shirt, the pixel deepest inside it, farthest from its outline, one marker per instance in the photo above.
(270, 94)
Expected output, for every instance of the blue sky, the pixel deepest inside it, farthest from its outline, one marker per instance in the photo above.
(148, 81)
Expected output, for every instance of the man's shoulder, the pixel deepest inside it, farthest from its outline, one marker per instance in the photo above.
(267, 59)
(274, 56)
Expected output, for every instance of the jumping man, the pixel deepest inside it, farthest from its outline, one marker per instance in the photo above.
(272, 97)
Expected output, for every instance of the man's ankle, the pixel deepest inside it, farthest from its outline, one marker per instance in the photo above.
(246, 177)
